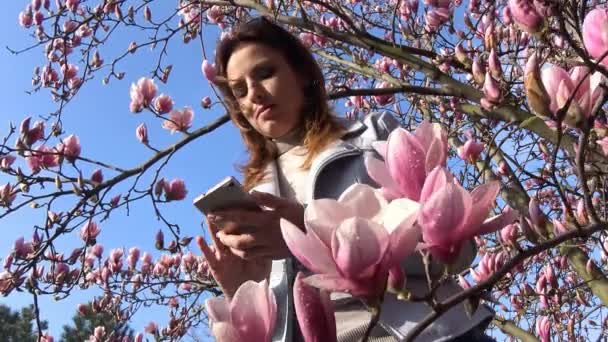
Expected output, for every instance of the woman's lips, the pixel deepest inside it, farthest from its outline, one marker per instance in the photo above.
(264, 111)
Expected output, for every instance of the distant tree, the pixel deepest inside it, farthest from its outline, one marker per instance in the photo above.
(86, 320)
(18, 326)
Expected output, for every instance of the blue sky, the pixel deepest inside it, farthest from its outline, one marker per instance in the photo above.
(100, 117)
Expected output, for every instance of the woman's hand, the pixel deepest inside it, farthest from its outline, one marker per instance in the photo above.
(230, 270)
(257, 234)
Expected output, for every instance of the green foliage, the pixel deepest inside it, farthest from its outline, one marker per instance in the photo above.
(84, 326)
(19, 326)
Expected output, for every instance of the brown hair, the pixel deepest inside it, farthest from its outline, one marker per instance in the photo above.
(320, 126)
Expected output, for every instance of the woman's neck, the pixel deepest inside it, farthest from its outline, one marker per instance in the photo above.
(289, 140)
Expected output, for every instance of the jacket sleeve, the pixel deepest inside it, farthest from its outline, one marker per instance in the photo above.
(414, 265)
(384, 123)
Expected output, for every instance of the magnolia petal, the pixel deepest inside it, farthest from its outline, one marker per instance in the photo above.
(358, 245)
(405, 234)
(483, 198)
(378, 171)
(380, 147)
(406, 162)
(218, 309)
(225, 332)
(272, 310)
(424, 134)
(497, 222)
(323, 216)
(336, 283)
(363, 200)
(400, 212)
(249, 310)
(436, 155)
(443, 214)
(435, 180)
(551, 78)
(315, 317)
(580, 74)
(308, 249)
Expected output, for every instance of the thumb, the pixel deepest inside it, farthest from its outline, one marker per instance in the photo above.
(267, 200)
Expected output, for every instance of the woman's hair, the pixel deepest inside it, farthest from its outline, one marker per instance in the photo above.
(320, 126)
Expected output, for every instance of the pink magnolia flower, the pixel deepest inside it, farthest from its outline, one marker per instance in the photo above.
(509, 234)
(6, 282)
(141, 132)
(142, 93)
(603, 144)
(307, 39)
(72, 5)
(408, 159)
(436, 17)
(595, 33)
(97, 250)
(491, 91)
(543, 328)
(209, 71)
(351, 243)
(525, 15)
(488, 265)
(450, 215)
(133, 257)
(47, 338)
(7, 196)
(70, 148)
(479, 71)
(6, 161)
(250, 315)
(35, 133)
(314, 311)
(151, 328)
(99, 333)
(214, 14)
(206, 102)
(26, 19)
(383, 100)
(60, 272)
(139, 337)
(97, 176)
(494, 64)
(22, 249)
(175, 190)
(560, 86)
(163, 104)
(470, 151)
(179, 120)
(42, 157)
(89, 231)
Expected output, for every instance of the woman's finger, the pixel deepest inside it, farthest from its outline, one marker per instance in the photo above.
(238, 241)
(244, 221)
(251, 253)
(213, 229)
(265, 199)
(207, 251)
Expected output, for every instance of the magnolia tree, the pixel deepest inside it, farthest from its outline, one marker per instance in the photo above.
(505, 142)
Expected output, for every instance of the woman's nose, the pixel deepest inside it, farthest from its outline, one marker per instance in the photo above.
(257, 93)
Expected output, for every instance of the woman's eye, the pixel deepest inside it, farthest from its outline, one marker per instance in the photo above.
(239, 91)
(265, 72)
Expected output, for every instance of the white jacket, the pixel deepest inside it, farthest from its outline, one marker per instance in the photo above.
(334, 170)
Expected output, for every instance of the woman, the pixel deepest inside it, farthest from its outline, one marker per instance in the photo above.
(299, 151)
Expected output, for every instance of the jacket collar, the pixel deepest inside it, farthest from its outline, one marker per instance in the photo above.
(353, 128)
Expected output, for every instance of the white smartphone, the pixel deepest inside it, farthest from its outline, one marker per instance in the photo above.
(227, 194)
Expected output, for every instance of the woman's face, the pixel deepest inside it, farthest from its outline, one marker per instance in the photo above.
(268, 91)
